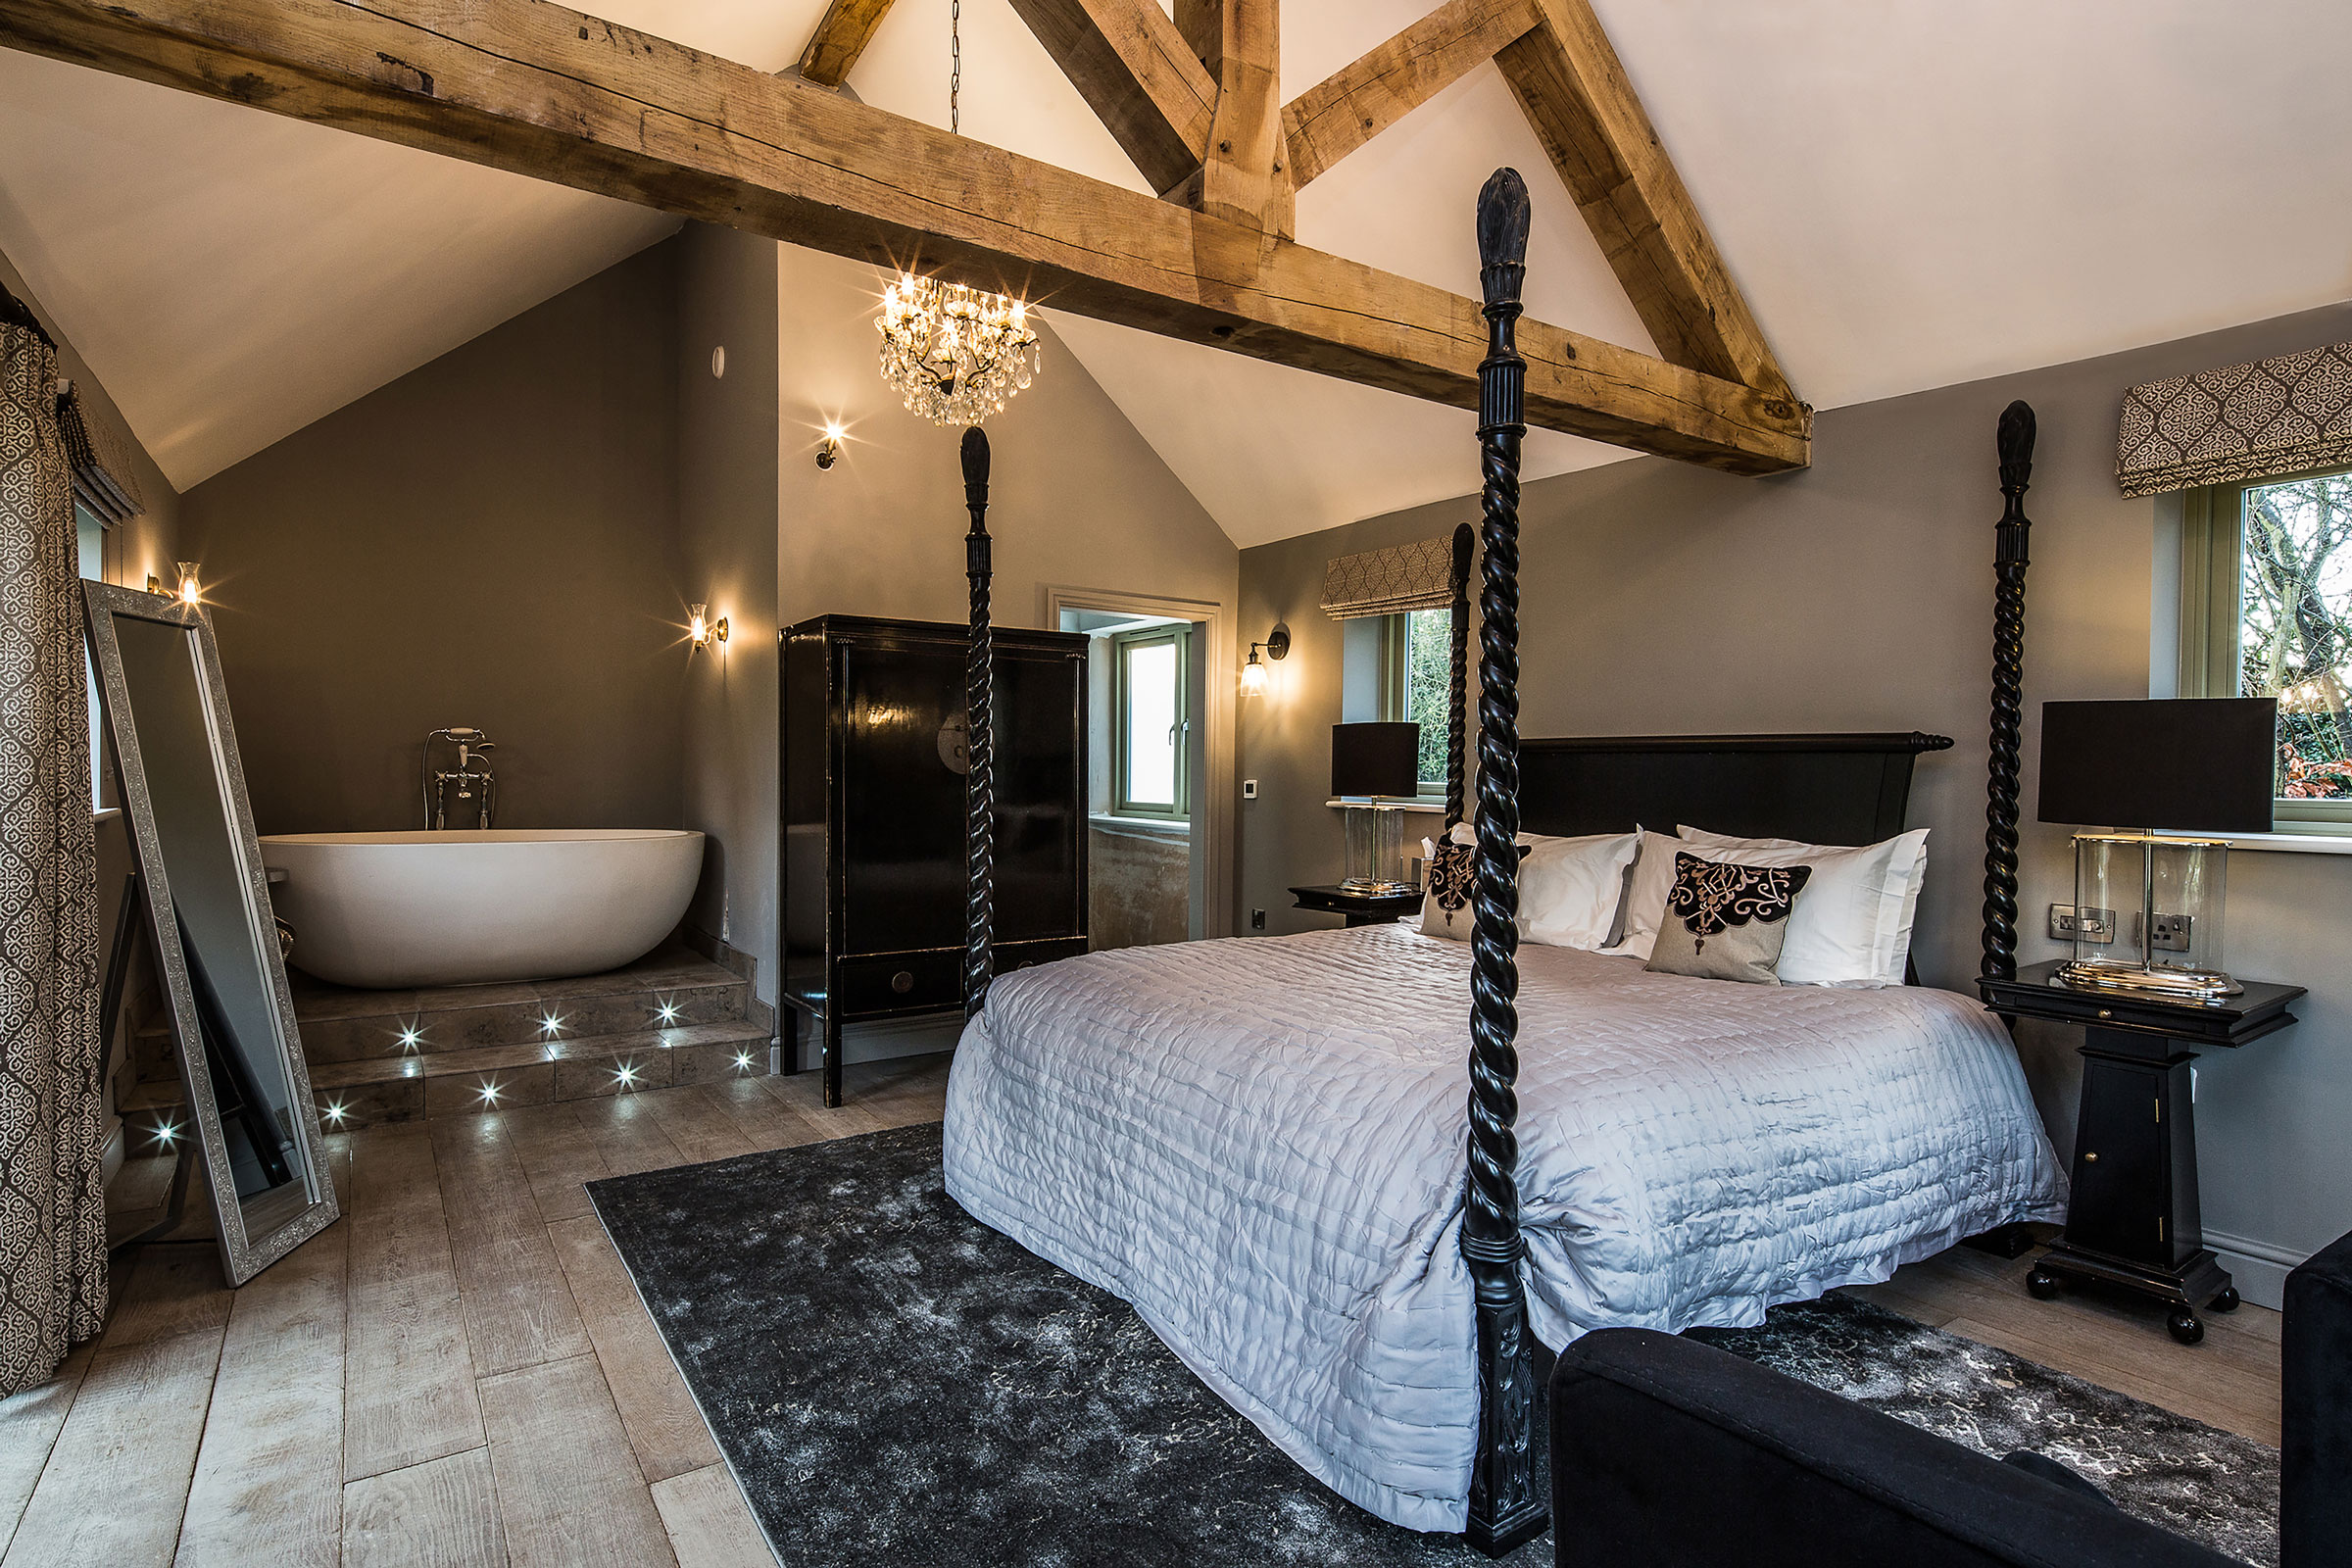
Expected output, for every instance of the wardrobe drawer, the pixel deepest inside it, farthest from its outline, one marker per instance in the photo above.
(898, 982)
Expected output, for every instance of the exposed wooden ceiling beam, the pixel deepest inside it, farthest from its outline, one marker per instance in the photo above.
(1583, 109)
(531, 87)
(1348, 109)
(847, 27)
(1244, 171)
(1134, 71)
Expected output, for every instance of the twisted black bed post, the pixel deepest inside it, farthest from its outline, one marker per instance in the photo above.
(2016, 444)
(1509, 1501)
(1457, 701)
(980, 785)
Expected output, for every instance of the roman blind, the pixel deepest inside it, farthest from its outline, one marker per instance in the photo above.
(2242, 422)
(1387, 582)
(102, 477)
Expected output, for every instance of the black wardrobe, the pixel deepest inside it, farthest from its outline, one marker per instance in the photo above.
(873, 803)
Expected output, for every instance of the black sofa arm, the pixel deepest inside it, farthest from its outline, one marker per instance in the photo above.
(2315, 1456)
(1669, 1453)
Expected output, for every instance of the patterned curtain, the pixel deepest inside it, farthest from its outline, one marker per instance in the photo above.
(1384, 582)
(2242, 422)
(52, 1113)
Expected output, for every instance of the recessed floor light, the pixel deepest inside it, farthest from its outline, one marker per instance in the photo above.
(408, 1038)
(743, 1058)
(626, 1076)
(550, 1024)
(490, 1094)
(335, 1111)
(668, 1013)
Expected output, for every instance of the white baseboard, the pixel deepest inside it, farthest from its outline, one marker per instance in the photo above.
(2259, 1269)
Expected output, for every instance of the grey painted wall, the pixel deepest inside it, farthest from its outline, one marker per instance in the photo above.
(489, 540)
(1858, 595)
(727, 556)
(1078, 500)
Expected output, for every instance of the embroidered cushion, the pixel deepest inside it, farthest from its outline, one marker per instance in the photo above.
(1451, 872)
(1725, 921)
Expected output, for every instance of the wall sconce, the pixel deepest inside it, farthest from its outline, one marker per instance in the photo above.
(1253, 674)
(701, 629)
(191, 590)
(831, 447)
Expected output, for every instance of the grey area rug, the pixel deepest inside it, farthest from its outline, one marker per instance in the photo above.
(893, 1382)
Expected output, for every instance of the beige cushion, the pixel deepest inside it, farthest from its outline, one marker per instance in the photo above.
(1726, 921)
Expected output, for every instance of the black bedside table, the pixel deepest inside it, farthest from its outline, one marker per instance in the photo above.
(1361, 909)
(2132, 1221)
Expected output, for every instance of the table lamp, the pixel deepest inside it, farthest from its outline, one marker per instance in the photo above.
(1369, 762)
(2191, 764)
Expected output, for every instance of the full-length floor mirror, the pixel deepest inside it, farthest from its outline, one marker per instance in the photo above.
(216, 943)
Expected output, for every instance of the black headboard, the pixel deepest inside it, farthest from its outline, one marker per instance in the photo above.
(1822, 789)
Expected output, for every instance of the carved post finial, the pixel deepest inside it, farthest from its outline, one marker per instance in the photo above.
(1509, 1502)
(2014, 441)
(1503, 217)
(980, 789)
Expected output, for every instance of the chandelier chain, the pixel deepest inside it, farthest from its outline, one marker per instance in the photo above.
(955, 66)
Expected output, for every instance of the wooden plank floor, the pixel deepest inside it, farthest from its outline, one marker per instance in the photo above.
(459, 1372)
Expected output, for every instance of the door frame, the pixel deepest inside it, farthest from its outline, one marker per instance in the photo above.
(1214, 810)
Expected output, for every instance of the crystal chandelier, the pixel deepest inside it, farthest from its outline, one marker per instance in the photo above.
(953, 353)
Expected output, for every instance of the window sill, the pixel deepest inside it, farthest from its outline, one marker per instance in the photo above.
(1164, 827)
(1419, 804)
(2285, 843)
(106, 813)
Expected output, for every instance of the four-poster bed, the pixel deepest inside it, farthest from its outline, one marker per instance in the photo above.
(1261, 1144)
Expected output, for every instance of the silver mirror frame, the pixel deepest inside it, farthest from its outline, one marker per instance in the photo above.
(242, 1256)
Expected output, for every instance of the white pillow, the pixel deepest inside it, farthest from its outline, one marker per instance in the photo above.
(1646, 895)
(1569, 888)
(1853, 924)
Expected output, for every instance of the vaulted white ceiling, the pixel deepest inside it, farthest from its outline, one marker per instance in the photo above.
(1912, 193)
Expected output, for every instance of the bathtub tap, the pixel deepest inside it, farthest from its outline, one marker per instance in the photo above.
(471, 773)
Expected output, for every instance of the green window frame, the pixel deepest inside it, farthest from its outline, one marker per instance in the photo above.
(1416, 670)
(2211, 618)
(1123, 649)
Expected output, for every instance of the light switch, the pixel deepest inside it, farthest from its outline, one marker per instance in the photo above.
(1249, 789)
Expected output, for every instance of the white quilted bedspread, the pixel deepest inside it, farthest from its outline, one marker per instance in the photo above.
(1259, 1144)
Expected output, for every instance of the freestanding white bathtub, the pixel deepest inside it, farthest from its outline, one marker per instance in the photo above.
(458, 907)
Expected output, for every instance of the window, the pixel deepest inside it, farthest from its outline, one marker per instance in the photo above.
(2266, 610)
(90, 542)
(1151, 730)
(1416, 679)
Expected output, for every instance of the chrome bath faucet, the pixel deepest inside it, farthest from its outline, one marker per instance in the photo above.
(471, 777)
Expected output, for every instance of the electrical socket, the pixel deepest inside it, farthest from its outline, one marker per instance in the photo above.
(2100, 929)
(1258, 919)
(2170, 932)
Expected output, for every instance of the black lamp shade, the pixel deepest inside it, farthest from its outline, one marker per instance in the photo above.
(2202, 765)
(1375, 759)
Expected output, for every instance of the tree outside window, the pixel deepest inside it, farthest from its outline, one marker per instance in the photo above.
(2295, 626)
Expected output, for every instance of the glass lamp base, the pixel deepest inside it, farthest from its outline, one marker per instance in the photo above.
(1365, 884)
(2159, 981)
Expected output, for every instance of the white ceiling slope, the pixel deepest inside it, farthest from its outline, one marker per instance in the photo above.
(231, 276)
(1912, 194)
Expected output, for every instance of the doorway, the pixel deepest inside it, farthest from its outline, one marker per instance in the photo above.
(1147, 773)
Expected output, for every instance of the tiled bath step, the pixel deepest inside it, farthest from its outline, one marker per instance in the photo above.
(478, 1078)
(667, 989)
